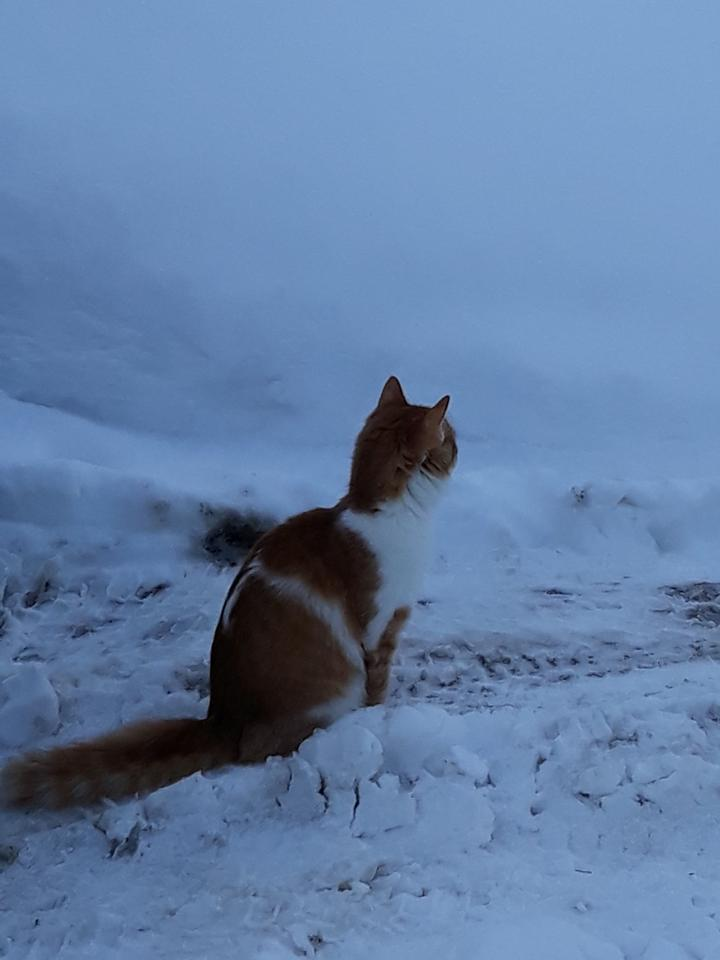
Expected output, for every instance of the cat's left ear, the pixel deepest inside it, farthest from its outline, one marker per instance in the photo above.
(392, 392)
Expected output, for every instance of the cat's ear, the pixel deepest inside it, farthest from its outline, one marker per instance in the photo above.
(392, 392)
(435, 415)
(434, 418)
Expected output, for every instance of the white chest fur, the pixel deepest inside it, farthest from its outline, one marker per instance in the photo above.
(399, 536)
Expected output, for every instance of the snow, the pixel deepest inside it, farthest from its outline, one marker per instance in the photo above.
(219, 233)
(543, 782)
(29, 706)
(580, 819)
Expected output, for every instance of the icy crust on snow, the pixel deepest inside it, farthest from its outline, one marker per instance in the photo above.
(373, 773)
(522, 831)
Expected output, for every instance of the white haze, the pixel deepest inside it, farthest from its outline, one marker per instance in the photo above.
(517, 202)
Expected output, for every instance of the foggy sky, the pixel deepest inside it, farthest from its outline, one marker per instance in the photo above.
(539, 179)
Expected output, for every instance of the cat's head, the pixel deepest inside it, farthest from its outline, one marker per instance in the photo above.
(400, 445)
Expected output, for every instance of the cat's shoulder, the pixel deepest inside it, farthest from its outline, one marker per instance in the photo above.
(317, 531)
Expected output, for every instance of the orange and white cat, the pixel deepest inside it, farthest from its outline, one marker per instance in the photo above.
(307, 631)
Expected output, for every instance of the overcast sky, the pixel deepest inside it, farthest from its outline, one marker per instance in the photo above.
(542, 177)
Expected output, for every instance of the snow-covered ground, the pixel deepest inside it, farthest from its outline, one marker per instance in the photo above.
(219, 233)
(545, 781)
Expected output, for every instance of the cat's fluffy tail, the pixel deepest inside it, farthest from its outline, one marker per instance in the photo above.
(135, 759)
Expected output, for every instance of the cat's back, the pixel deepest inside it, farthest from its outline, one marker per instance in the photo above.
(313, 554)
(318, 547)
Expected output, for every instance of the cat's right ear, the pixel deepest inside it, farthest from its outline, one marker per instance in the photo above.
(436, 414)
(433, 421)
(392, 392)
